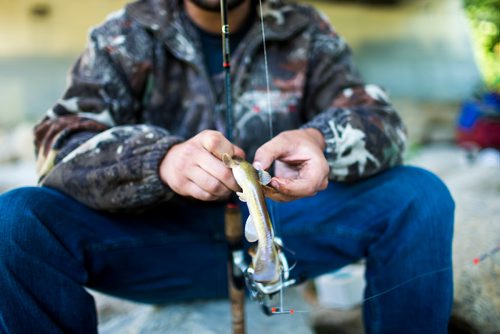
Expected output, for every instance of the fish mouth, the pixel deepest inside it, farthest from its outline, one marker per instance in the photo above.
(266, 271)
(266, 277)
(231, 161)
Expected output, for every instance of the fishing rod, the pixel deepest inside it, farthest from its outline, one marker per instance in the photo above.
(232, 217)
(239, 273)
(226, 64)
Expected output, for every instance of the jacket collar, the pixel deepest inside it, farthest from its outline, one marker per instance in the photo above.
(166, 19)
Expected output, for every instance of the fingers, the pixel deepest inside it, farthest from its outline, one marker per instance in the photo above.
(294, 187)
(287, 190)
(214, 169)
(215, 143)
(195, 191)
(306, 179)
(205, 179)
(279, 197)
(301, 168)
(270, 151)
(210, 187)
(194, 168)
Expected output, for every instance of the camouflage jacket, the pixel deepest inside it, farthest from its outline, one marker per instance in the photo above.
(141, 86)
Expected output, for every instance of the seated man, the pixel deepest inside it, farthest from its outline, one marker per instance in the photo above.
(132, 184)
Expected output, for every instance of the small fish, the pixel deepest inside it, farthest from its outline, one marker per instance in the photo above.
(258, 227)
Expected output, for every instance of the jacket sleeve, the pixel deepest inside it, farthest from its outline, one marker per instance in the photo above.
(91, 144)
(364, 134)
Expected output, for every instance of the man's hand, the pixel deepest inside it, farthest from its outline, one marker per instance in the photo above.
(300, 169)
(194, 168)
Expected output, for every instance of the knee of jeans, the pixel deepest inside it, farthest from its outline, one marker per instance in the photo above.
(430, 189)
(18, 220)
(428, 197)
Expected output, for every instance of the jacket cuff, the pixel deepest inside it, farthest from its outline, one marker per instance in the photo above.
(322, 123)
(151, 161)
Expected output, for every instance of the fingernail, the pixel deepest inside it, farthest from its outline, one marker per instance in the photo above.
(257, 165)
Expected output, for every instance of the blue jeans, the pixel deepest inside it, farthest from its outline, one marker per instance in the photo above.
(51, 246)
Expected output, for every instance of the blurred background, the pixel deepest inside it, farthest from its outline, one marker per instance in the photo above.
(439, 60)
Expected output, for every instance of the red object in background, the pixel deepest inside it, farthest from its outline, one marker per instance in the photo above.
(485, 133)
(479, 122)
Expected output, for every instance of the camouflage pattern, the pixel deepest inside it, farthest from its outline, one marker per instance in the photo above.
(141, 87)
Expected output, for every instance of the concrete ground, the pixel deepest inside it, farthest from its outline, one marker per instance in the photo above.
(203, 317)
(475, 186)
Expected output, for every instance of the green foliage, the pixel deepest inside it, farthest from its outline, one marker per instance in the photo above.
(484, 16)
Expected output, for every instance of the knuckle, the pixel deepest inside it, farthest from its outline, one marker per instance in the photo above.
(224, 193)
(260, 151)
(212, 140)
(213, 186)
(190, 150)
(227, 175)
(177, 164)
(206, 133)
(285, 136)
(179, 189)
(175, 184)
(218, 189)
(204, 196)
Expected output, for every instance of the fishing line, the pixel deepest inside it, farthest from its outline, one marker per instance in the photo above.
(475, 261)
(397, 286)
(266, 66)
(272, 212)
(281, 310)
(275, 219)
(486, 255)
(271, 204)
(281, 291)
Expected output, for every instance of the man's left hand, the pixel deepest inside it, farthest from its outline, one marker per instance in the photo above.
(300, 166)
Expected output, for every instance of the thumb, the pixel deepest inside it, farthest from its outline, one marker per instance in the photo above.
(276, 148)
(265, 156)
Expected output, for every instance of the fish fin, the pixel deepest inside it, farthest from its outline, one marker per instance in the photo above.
(250, 231)
(252, 250)
(264, 177)
(241, 196)
(269, 191)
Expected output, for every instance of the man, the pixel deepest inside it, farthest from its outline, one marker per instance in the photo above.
(133, 185)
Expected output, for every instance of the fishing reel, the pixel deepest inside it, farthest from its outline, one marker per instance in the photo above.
(264, 293)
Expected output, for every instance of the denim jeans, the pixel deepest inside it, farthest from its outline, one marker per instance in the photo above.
(51, 247)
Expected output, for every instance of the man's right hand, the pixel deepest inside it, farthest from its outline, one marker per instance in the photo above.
(194, 168)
